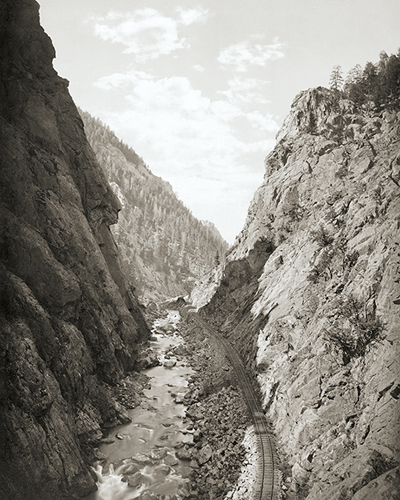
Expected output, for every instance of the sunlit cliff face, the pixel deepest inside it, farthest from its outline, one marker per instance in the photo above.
(319, 321)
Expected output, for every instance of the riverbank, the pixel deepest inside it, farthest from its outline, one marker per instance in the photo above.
(225, 442)
(207, 451)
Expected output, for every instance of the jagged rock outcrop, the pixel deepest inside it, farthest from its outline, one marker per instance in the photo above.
(69, 323)
(319, 321)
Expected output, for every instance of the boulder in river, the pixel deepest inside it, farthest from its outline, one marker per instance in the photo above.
(158, 453)
(170, 460)
(184, 454)
(162, 470)
(129, 470)
(107, 440)
(141, 459)
(169, 363)
(194, 412)
(135, 480)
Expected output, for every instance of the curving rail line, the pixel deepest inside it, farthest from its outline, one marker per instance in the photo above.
(266, 487)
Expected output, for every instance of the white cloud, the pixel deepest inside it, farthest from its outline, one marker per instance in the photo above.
(121, 80)
(192, 140)
(262, 122)
(171, 110)
(199, 68)
(251, 53)
(192, 16)
(246, 91)
(146, 33)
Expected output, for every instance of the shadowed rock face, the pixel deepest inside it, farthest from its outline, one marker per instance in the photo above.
(69, 322)
(329, 207)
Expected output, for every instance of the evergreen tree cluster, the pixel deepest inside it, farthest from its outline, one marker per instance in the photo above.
(376, 87)
(164, 248)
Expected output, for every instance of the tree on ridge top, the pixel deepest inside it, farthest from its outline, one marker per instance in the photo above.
(336, 79)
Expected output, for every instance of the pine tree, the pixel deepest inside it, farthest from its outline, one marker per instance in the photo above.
(390, 84)
(336, 79)
(371, 86)
(375, 88)
(354, 75)
(352, 87)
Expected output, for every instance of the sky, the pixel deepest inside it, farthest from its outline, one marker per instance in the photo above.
(199, 88)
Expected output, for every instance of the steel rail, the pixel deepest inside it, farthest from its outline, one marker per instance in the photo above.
(266, 487)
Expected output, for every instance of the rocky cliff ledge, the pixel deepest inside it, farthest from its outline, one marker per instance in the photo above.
(311, 298)
(69, 323)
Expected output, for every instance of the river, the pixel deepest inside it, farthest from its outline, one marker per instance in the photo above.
(141, 461)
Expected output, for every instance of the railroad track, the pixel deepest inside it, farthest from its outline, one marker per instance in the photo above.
(266, 487)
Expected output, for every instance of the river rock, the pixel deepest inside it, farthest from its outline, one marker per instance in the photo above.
(204, 454)
(129, 469)
(98, 455)
(135, 480)
(197, 435)
(195, 412)
(141, 459)
(162, 470)
(107, 440)
(170, 460)
(186, 472)
(150, 495)
(184, 453)
(169, 363)
(158, 453)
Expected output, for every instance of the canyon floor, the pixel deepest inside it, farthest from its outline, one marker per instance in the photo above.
(190, 434)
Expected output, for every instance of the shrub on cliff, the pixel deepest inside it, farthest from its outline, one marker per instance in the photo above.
(322, 268)
(356, 329)
(321, 236)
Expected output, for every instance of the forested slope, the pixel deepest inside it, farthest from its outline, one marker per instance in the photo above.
(164, 248)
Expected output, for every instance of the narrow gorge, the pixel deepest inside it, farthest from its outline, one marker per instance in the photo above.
(95, 249)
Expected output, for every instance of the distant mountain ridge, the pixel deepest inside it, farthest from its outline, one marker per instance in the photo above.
(163, 247)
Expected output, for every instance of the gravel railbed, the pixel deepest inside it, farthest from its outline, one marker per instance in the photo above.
(221, 422)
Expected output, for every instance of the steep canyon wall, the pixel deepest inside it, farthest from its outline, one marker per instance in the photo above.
(70, 324)
(311, 298)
